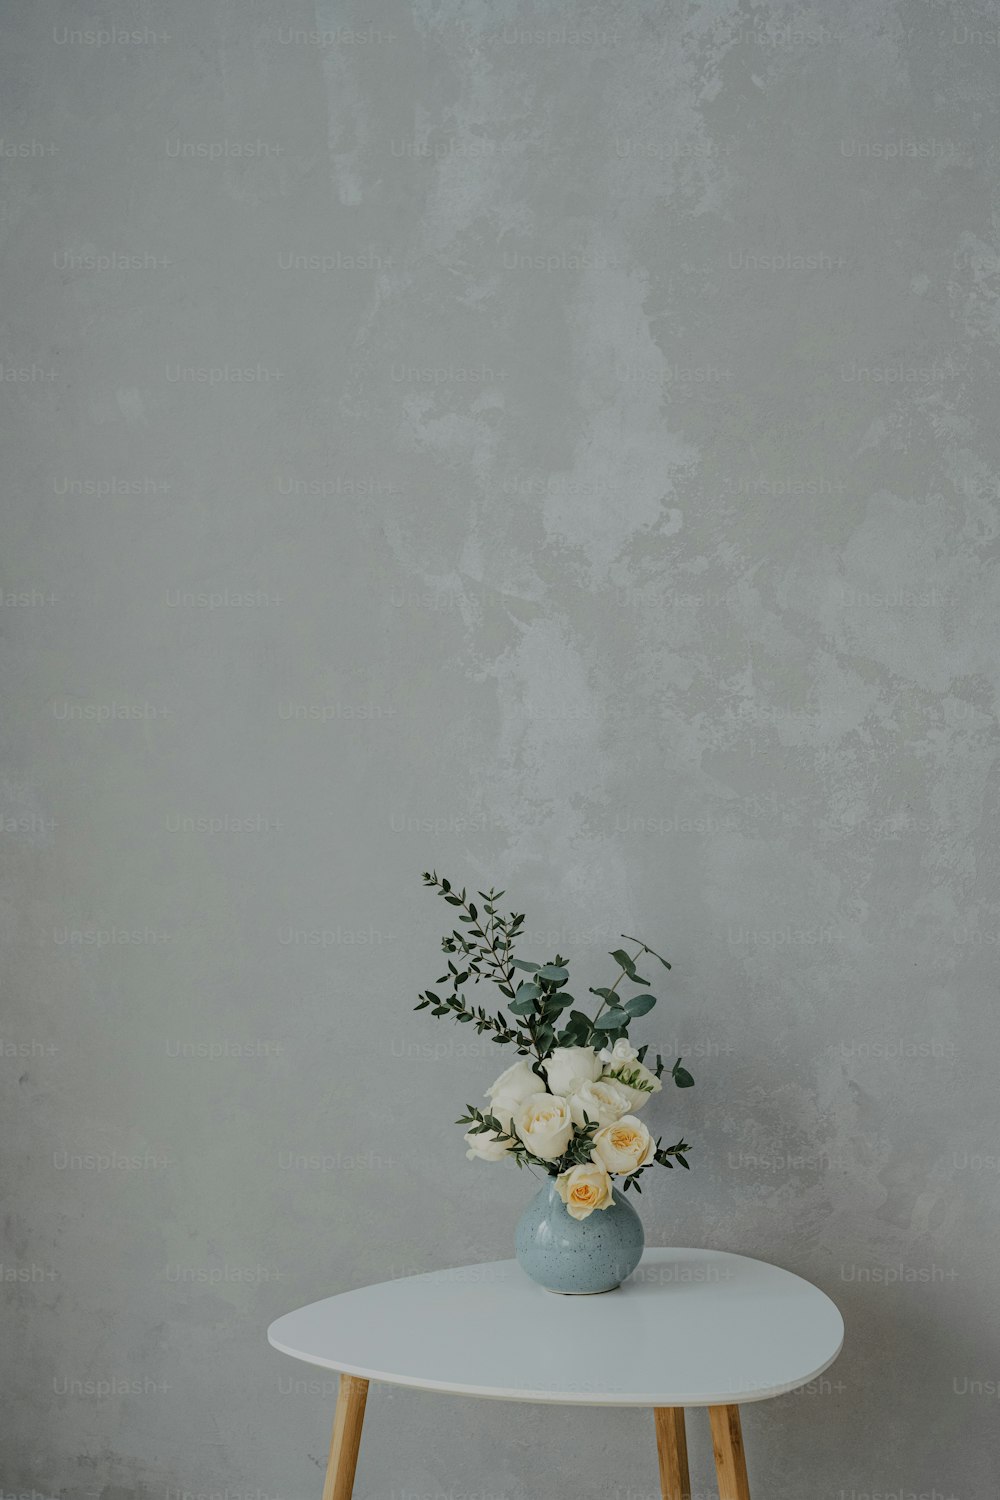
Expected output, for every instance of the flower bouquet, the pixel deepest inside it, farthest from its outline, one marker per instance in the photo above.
(570, 1104)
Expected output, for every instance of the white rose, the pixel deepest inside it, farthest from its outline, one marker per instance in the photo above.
(604, 1102)
(621, 1052)
(583, 1189)
(517, 1083)
(641, 1097)
(484, 1145)
(544, 1124)
(511, 1089)
(623, 1058)
(503, 1108)
(568, 1067)
(623, 1147)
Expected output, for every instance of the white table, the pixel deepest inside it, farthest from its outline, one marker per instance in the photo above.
(688, 1328)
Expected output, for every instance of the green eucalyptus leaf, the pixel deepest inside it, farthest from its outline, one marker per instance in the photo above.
(520, 963)
(570, 1038)
(623, 960)
(640, 1005)
(683, 1078)
(612, 1021)
(553, 973)
(558, 1002)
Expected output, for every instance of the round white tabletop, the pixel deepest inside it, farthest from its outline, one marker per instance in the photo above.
(688, 1328)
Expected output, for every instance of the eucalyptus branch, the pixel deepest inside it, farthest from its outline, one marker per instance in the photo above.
(678, 1152)
(628, 969)
(455, 1006)
(647, 949)
(661, 1156)
(498, 961)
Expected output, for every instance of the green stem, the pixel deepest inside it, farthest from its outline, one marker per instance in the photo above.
(498, 961)
(642, 949)
(646, 948)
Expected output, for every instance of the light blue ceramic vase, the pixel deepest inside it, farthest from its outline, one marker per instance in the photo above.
(578, 1256)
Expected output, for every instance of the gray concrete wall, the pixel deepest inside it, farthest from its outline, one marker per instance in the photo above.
(562, 450)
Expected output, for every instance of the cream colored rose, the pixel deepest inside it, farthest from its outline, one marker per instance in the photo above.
(484, 1145)
(583, 1189)
(623, 1147)
(603, 1102)
(545, 1125)
(568, 1067)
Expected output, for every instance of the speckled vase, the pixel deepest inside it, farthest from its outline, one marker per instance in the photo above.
(578, 1257)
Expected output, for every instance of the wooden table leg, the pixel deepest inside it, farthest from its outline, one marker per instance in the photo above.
(730, 1461)
(671, 1445)
(346, 1440)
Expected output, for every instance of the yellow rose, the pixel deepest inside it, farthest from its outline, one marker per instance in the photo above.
(583, 1189)
(623, 1147)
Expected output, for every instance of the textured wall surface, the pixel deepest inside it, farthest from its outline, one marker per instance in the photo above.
(556, 444)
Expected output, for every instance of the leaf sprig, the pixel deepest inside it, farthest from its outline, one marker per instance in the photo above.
(661, 1156)
(485, 947)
